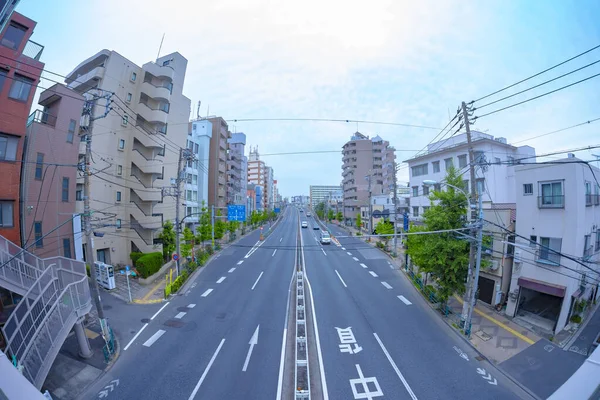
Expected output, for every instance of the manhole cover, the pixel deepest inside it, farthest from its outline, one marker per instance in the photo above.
(145, 320)
(479, 358)
(221, 315)
(132, 332)
(107, 307)
(173, 323)
(482, 335)
(183, 309)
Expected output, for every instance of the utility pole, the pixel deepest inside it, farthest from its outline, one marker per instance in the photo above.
(212, 216)
(370, 207)
(473, 298)
(471, 211)
(177, 206)
(395, 210)
(88, 114)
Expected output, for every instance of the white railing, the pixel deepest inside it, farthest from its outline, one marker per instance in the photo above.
(19, 269)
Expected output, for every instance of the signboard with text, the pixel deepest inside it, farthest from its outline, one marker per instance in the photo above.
(236, 213)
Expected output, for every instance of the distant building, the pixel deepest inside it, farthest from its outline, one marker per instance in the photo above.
(323, 193)
(237, 181)
(195, 187)
(217, 176)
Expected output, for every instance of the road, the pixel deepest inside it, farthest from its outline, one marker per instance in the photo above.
(198, 345)
(397, 348)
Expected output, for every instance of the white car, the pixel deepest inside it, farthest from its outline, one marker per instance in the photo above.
(325, 238)
(304, 224)
(308, 214)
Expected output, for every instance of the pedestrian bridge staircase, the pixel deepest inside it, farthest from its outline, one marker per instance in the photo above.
(55, 294)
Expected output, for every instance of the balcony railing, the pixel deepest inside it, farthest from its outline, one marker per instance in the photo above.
(596, 199)
(556, 201)
(589, 199)
(33, 50)
(587, 253)
(41, 118)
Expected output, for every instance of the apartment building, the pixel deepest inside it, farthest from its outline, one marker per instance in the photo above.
(256, 177)
(49, 174)
(217, 164)
(237, 180)
(496, 181)
(135, 149)
(269, 199)
(367, 169)
(323, 193)
(20, 71)
(557, 243)
(6, 10)
(195, 188)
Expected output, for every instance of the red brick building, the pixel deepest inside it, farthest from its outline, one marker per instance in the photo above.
(20, 71)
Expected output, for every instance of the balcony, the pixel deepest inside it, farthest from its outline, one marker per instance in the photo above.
(88, 80)
(153, 114)
(143, 233)
(597, 200)
(159, 71)
(156, 91)
(555, 201)
(589, 199)
(33, 50)
(40, 117)
(146, 165)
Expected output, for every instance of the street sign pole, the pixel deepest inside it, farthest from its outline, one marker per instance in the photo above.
(127, 273)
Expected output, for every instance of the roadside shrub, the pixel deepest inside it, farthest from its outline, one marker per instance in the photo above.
(149, 264)
(208, 248)
(87, 269)
(576, 319)
(135, 255)
(380, 245)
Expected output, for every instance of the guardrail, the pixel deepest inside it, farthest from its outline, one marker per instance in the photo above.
(301, 369)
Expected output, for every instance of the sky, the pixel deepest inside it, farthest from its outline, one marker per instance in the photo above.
(408, 62)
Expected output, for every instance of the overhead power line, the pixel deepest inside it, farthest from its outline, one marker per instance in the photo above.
(538, 74)
(559, 130)
(329, 120)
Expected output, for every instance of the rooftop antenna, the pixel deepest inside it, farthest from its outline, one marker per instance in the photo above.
(160, 47)
(198, 110)
(207, 111)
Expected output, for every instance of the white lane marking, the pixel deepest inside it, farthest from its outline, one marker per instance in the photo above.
(221, 279)
(231, 270)
(135, 337)
(274, 251)
(257, 279)
(404, 382)
(343, 248)
(323, 251)
(363, 265)
(253, 342)
(405, 300)
(191, 305)
(154, 338)
(374, 274)
(339, 276)
(252, 250)
(210, 363)
(391, 266)
(387, 285)
(348, 253)
(355, 259)
(280, 240)
(281, 360)
(180, 315)
(316, 327)
(162, 308)
(206, 293)
(240, 262)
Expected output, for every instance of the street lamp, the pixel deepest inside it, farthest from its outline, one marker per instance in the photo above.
(430, 182)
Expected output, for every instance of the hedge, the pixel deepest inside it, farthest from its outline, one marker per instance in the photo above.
(135, 255)
(149, 264)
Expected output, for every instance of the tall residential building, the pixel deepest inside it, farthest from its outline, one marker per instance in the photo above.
(365, 171)
(319, 194)
(195, 189)
(217, 161)
(236, 179)
(135, 149)
(557, 243)
(48, 180)
(6, 9)
(256, 177)
(269, 179)
(201, 132)
(20, 71)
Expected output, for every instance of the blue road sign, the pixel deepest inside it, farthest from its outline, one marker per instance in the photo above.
(127, 268)
(278, 210)
(405, 221)
(236, 213)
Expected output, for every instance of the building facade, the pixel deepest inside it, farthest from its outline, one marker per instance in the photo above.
(237, 181)
(557, 243)
(217, 164)
(367, 170)
(135, 149)
(49, 174)
(20, 71)
(256, 177)
(269, 199)
(323, 193)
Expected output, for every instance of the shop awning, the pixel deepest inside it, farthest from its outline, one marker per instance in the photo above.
(543, 287)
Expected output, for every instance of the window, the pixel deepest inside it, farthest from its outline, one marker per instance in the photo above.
(37, 229)
(121, 144)
(552, 195)
(65, 189)
(161, 152)
(437, 187)
(163, 129)
(462, 161)
(196, 148)
(425, 190)
(415, 211)
(165, 107)
(510, 160)
(166, 62)
(14, 35)
(3, 74)
(533, 241)
(6, 214)
(549, 250)
(478, 157)
(67, 248)
(119, 170)
(194, 179)
(497, 160)
(436, 166)
(588, 193)
(448, 163)
(587, 246)
(598, 240)
(194, 195)
(20, 88)
(419, 170)
(188, 211)
(188, 195)
(480, 185)
(466, 185)
(133, 76)
(128, 98)
(79, 192)
(39, 166)
(118, 223)
(596, 195)
(8, 148)
(118, 196)
(125, 120)
(71, 132)
(527, 189)
(415, 191)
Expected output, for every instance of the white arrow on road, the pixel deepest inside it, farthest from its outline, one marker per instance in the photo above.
(103, 394)
(487, 376)
(115, 381)
(253, 342)
(481, 371)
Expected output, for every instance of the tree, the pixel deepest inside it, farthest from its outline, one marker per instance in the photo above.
(255, 217)
(220, 226)
(188, 243)
(384, 228)
(443, 255)
(339, 216)
(330, 215)
(320, 210)
(359, 221)
(168, 240)
(232, 226)
(204, 228)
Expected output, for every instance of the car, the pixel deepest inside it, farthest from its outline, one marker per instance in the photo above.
(301, 210)
(316, 227)
(308, 214)
(304, 224)
(325, 238)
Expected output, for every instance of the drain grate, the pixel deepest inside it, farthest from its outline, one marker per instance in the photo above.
(482, 335)
(174, 323)
(479, 358)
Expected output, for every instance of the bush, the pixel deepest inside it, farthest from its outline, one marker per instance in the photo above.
(149, 264)
(135, 255)
(88, 270)
(201, 257)
(380, 245)
(576, 319)
(208, 248)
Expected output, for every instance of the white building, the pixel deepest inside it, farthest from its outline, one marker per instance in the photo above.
(498, 182)
(237, 179)
(195, 190)
(557, 248)
(319, 193)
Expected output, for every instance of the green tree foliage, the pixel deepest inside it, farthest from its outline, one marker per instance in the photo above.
(254, 217)
(320, 210)
(233, 226)
(204, 228)
(168, 240)
(330, 215)
(443, 255)
(264, 216)
(339, 216)
(220, 225)
(149, 264)
(384, 228)
(188, 243)
(358, 221)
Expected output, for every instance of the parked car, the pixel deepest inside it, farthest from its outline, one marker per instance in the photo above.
(325, 238)
(304, 224)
